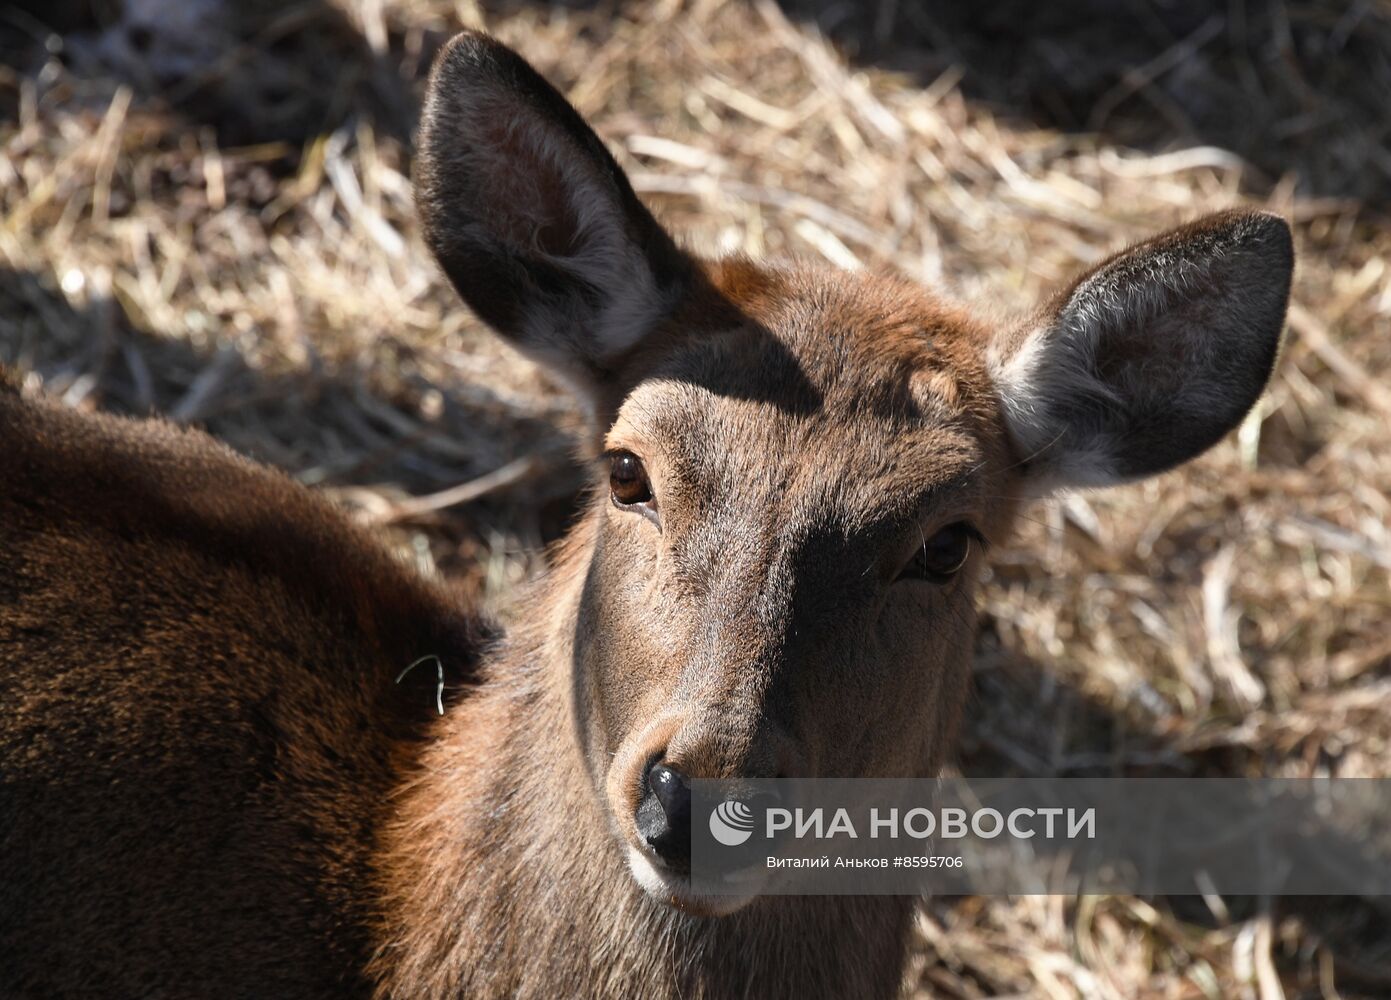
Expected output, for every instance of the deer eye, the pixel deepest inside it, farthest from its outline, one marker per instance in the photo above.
(943, 555)
(628, 480)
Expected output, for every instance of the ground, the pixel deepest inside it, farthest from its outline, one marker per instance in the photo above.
(209, 216)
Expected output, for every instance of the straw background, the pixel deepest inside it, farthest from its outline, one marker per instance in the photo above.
(215, 224)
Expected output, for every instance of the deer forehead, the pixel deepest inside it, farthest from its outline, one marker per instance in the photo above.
(853, 395)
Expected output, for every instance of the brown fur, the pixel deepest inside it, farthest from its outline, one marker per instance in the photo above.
(199, 729)
(213, 786)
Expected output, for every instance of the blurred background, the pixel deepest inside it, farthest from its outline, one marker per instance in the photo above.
(205, 213)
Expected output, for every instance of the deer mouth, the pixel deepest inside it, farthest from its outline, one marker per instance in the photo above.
(650, 795)
(659, 849)
(656, 835)
(674, 888)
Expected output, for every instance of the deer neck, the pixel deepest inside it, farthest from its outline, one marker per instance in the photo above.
(504, 876)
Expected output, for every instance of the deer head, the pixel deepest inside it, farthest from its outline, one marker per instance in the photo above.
(802, 468)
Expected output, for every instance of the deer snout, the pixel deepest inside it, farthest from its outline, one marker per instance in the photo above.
(650, 784)
(660, 804)
(664, 815)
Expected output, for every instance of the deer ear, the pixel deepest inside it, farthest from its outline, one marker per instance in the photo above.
(532, 219)
(1150, 358)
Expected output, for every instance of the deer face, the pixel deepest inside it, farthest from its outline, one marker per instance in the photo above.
(786, 545)
(801, 468)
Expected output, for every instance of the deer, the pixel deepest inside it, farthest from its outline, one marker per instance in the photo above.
(213, 784)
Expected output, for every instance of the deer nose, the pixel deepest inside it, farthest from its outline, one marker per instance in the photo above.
(664, 815)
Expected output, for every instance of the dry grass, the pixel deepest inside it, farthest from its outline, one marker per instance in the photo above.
(238, 250)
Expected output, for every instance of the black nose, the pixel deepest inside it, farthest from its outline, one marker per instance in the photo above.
(664, 816)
